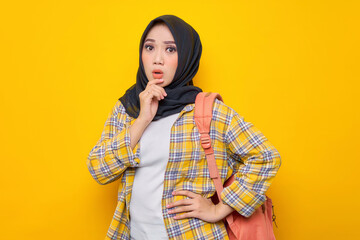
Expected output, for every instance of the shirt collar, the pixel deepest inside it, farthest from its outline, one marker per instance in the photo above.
(188, 108)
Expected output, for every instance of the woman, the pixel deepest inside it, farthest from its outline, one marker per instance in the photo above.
(151, 143)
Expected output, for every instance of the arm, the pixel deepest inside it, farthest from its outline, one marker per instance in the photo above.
(222, 210)
(259, 162)
(116, 150)
(136, 131)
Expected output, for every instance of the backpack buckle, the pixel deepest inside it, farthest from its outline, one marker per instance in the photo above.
(205, 140)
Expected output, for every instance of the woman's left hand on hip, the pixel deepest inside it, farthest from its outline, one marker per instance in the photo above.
(198, 207)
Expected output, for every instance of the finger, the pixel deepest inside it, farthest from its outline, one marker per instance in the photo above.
(153, 88)
(184, 215)
(180, 203)
(161, 89)
(155, 81)
(186, 193)
(155, 93)
(182, 209)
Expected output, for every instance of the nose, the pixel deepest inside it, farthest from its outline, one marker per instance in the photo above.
(159, 58)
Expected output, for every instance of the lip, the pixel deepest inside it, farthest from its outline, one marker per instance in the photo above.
(157, 70)
(157, 73)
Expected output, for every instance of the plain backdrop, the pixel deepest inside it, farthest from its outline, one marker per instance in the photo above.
(289, 67)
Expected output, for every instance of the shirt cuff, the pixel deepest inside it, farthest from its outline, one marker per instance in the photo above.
(242, 200)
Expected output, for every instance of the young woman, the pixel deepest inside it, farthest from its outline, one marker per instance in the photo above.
(151, 143)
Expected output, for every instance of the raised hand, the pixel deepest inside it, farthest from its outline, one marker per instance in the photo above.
(149, 99)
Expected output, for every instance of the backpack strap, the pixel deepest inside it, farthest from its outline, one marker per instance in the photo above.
(203, 115)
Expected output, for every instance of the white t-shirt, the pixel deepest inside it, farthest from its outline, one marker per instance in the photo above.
(146, 219)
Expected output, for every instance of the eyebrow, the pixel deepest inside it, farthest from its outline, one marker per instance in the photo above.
(152, 40)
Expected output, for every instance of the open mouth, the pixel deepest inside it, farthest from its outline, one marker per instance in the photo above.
(157, 73)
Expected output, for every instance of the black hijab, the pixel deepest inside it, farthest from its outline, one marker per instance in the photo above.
(181, 90)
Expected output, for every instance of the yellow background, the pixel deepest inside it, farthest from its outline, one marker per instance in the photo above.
(289, 67)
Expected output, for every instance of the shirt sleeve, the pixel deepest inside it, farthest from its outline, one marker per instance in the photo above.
(112, 154)
(258, 163)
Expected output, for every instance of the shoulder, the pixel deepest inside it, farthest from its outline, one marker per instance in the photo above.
(223, 112)
(118, 111)
(118, 108)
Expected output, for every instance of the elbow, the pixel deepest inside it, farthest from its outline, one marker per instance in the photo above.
(97, 176)
(276, 162)
(274, 157)
(92, 171)
(278, 159)
(272, 160)
(102, 173)
(92, 164)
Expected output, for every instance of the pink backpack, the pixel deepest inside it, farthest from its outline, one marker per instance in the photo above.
(259, 225)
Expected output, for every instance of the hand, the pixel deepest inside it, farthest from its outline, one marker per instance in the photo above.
(198, 207)
(149, 99)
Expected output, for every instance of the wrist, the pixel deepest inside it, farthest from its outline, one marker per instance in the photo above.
(142, 121)
(223, 209)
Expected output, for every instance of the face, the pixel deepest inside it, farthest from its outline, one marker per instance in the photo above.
(159, 54)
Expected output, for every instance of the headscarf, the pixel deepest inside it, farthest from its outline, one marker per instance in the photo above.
(181, 90)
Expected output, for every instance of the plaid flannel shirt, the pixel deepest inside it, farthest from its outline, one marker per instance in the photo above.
(239, 148)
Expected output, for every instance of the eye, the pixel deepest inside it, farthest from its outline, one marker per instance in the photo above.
(171, 49)
(148, 47)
